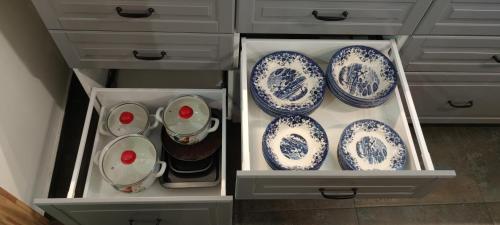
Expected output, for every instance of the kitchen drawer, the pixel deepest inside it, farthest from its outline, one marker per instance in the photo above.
(100, 203)
(126, 50)
(462, 17)
(199, 16)
(452, 54)
(448, 102)
(256, 180)
(377, 17)
(456, 77)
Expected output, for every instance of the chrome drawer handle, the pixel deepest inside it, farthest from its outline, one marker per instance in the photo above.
(330, 18)
(137, 56)
(132, 222)
(148, 13)
(496, 58)
(337, 197)
(462, 105)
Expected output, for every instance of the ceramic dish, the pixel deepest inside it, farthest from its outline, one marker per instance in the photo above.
(285, 83)
(294, 142)
(371, 145)
(361, 76)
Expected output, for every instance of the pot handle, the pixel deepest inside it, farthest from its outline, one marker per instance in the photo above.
(163, 167)
(215, 125)
(152, 125)
(158, 116)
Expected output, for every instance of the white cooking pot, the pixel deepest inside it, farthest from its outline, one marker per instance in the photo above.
(130, 163)
(187, 119)
(128, 118)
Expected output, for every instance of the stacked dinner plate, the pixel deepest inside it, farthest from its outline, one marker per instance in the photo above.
(371, 145)
(285, 83)
(294, 142)
(361, 76)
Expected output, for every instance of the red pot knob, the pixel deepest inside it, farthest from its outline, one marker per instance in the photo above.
(128, 157)
(185, 112)
(126, 117)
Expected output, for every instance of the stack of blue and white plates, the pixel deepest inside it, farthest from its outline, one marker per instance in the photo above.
(361, 76)
(285, 83)
(371, 145)
(294, 142)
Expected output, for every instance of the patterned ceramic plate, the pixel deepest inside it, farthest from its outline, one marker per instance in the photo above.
(371, 145)
(287, 83)
(361, 74)
(294, 142)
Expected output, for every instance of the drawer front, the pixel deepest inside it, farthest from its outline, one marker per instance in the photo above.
(144, 211)
(202, 16)
(451, 101)
(461, 77)
(135, 50)
(462, 17)
(452, 54)
(310, 185)
(387, 17)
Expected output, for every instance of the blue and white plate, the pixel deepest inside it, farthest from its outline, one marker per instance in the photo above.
(361, 76)
(371, 145)
(294, 142)
(286, 83)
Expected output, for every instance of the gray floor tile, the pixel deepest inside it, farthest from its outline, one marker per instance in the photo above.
(462, 214)
(299, 217)
(494, 210)
(483, 158)
(281, 205)
(448, 150)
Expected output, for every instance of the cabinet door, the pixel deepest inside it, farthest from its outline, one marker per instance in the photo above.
(138, 211)
(201, 16)
(378, 17)
(324, 184)
(452, 54)
(462, 17)
(146, 50)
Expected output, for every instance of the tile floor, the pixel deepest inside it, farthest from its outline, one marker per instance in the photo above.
(472, 198)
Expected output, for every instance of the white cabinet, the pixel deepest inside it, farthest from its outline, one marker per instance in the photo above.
(257, 180)
(101, 204)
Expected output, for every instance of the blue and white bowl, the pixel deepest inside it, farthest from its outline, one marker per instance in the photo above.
(361, 76)
(371, 145)
(294, 142)
(286, 83)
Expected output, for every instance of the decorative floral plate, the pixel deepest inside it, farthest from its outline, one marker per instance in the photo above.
(371, 145)
(295, 142)
(285, 82)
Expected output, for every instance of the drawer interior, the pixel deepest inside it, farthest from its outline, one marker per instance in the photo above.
(103, 99)
(333, 115)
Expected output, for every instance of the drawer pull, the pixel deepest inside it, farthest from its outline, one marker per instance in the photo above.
(462, 105)
(120, 12)
(496, 58)
(330, 18)
(353, 195)
(132, 222)
(137, 56)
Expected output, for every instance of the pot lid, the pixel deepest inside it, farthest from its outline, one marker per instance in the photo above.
(186, 115)
(128, 159)
(128, 118)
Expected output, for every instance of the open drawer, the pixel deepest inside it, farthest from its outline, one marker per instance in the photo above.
(257, 180)
(102, 204)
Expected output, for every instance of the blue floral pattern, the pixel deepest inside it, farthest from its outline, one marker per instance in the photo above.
(294, 84)
(298, 148)
(361, 76)
(353, 148)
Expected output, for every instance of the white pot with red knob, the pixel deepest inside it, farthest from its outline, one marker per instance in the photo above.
(187, 119)
(128, 118)
(130, 163)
